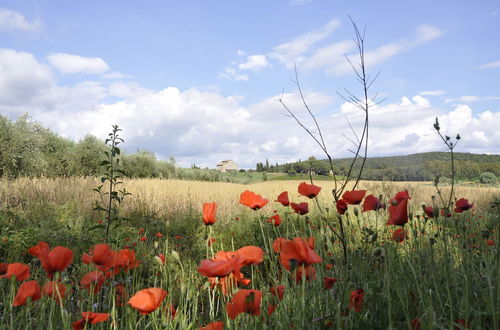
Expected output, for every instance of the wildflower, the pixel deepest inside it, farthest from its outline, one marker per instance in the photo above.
(253, 254)
(429, 211)
(278, 291)
(220, 266)
(398, 211)
(90, 317)
(102, 256)
(143, 239)
(209, 211)
(275, 220)
(211, 241)
(301, 208)
(356, 300)
(141, 231)
(415, 324)
(308, 190)
(252, 200)
(462, 205)
(297, 253)
(29, 289)
(283, 198)
(121, 295)
(219, 325)
(399, 235)
(270, 309)
(372, 203)
(54, 289)
(3, 268)
(125, 260)
(244, 301)
(19, 270)
(328, 282)
(341, 206)
(159, 235)
(178, 237)
(55, 260)
(278, 244)
(93, 281)
(354, 197)
(147, 300)
(328, 266)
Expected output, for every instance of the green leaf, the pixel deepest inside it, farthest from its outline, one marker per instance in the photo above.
(97, 227)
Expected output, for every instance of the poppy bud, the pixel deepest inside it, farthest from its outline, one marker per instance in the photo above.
(436, 125)
(458, 137)
(378, 252)
(176, 256)
(410, 216)
(373, 237)
(356, 211)
(447, 137)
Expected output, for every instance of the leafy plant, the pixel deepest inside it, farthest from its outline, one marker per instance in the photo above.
(111, 197)
(487, 177)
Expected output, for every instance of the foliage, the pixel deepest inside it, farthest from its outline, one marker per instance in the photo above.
(487, 177)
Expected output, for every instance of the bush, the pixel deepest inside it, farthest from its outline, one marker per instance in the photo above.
(487, 177)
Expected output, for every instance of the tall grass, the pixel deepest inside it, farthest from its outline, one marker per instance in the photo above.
(446, 270)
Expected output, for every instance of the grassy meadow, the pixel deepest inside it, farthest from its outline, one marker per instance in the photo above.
(443, 275)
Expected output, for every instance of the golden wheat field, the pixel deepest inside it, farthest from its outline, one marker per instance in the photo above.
(164, 197)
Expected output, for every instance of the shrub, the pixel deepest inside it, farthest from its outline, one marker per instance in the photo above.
(487, 177)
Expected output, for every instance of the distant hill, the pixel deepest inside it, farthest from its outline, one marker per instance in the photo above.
(415, 167)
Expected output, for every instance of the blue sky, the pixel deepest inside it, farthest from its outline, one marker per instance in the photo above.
(199, 80)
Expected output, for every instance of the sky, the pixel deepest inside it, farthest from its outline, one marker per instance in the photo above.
(201, 80)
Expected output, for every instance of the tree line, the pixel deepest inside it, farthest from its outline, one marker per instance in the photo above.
(417, 167)
(27, 149)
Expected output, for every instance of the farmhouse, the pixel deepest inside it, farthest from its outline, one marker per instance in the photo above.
(227, 165)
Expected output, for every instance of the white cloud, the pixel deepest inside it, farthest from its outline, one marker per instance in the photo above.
(292, 52)
(490, 65)
(299, 2)
(12, 21)
(438, 92)
(254, 63)
(116, 75)
(23, 78)
(332, 58)
(68, 64)
(471, 99)
(204, 127)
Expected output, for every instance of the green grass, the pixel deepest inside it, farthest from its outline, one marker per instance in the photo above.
(445, 271)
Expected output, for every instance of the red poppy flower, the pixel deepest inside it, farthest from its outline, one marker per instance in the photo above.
(126, 260)
(328, 266)
(219, 325)
(308, 190)
(102, 256)
(55, 260)
(270, 309)
(445, 213)
(159, 235)
(299, 251)
(252, 200)
(399, 235)
(278, 244)
(372, 203)
(309, 272)
(147, 300)
(429, 211)
(29, 289)
(3, 268)
(121, 295)
(19, 270)
(275, 220)
(253, 254)
(401, 196)
(398, 215)
(172, 310)
(278, 291)
(93, 281)
(90, 317)
(415, 324)
(354, 197)
(211, 241)
(54, 289)
(301, 208)
(341, 206)
(283, 198)
(244, 301)
(490, 242)
(221, 267)
(462, 205)
(328, 282)
(209, 211)
(460, 324)
(356, 300)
